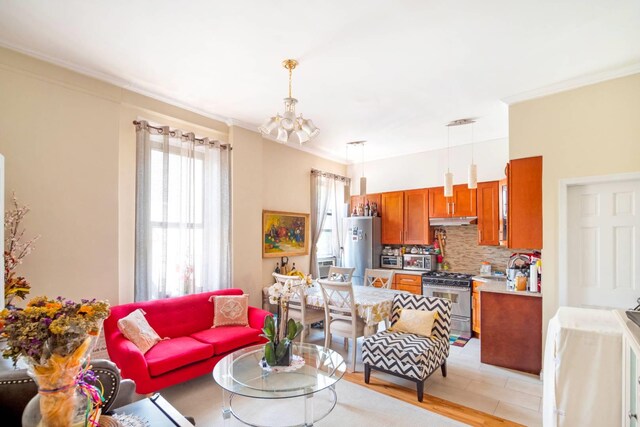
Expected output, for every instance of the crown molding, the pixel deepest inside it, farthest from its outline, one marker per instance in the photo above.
(116, 81)
(574, 83)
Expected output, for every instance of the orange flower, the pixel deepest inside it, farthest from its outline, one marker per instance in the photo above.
(85, 309)
(54, 305)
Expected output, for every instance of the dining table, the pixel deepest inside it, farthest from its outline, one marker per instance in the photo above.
(373, 304)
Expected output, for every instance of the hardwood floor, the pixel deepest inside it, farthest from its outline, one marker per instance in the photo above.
(473, 392)
(434, 404)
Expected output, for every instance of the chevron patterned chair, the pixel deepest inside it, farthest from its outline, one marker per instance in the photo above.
(410, 356)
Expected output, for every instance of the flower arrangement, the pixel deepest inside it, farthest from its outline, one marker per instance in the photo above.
(15, 251)
(54, 336)
(282, 331)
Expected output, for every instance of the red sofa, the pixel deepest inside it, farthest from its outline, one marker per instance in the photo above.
(194, 346)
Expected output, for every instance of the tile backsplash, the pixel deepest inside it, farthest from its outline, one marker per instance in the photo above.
(464, 255)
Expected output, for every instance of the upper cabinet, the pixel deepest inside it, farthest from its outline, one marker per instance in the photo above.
(462, 203)
(362, 200)
(488, 213)
(392, 214)
(416, 217)
(502, 200)
(524, 207)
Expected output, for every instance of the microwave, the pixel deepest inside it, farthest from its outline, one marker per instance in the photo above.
(391, 261)
(419, 262)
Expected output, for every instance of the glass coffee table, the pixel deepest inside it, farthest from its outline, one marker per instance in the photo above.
(240, 374)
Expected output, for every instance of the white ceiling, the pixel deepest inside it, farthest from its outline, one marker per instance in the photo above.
(390, 72)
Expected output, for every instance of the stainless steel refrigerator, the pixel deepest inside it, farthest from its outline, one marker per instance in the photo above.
(361, 245)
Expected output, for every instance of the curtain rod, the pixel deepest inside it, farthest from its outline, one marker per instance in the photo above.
(331, 175)
(174, 132)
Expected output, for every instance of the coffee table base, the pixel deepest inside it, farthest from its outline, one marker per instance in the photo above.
(309, 418)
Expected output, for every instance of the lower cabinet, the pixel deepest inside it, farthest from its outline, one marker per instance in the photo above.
(408, 282)
(511, 331)
(475, 309)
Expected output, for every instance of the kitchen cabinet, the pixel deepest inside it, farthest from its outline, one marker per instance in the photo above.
(392, 213)
(488, 208)
(475, 308)
(511, 330)
(524, 213)
(502, 200)
(408, 282)
(461, 203)
(416, 217)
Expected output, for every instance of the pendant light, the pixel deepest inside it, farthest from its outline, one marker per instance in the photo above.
(448, 176)
(363, 179)
(472, 176)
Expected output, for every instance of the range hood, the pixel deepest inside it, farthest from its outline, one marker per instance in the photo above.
(461, 220)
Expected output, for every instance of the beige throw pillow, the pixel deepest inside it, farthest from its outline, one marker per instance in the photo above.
(137, 330)
(419, 322)
(230, 310)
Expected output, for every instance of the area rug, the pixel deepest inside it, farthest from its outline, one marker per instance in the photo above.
(458, 340)
(201, 398)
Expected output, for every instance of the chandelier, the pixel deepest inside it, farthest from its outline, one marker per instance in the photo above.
(288, 127)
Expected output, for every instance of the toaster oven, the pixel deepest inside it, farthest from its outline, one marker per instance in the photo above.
(391, 261)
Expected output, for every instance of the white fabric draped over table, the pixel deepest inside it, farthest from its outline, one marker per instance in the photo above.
(372, 304)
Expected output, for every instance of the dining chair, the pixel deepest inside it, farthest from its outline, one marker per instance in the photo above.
(297, 308)
(344, 272)
(340, 313)
(378, 278)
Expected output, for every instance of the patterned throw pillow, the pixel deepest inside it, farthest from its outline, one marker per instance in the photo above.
(419, 322)
(230, 310)
(137, 330)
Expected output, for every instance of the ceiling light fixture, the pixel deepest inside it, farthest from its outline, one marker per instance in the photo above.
(288, 127)
(363, 179)
(473, 171)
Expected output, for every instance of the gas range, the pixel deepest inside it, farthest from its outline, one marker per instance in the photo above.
(455, 287)
(443, 278)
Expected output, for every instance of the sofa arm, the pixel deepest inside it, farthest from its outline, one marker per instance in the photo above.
(257, 316)
(128, 358)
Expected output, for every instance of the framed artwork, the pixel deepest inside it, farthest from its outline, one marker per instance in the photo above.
(284, 234)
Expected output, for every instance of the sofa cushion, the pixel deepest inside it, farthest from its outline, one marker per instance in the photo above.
(136, 329)
(230, 310)
(228, 338)
(176, 353)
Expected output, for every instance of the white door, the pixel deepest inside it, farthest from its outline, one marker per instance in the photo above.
(603, 244)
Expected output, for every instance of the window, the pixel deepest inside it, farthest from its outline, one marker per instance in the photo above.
(182, 214)
(325, 241)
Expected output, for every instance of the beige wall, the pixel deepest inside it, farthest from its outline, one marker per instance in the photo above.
(589, 131)
(266, 175)
(69, 147)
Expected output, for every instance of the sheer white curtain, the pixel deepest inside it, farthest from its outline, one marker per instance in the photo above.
(183, 214)
(327, 196)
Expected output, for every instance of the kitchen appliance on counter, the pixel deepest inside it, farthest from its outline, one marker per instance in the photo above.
(419, 262)
(361, 245)
(455, 287)
(391, 261)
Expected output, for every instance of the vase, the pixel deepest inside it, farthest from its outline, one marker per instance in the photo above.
(60, 402)
(286, 358)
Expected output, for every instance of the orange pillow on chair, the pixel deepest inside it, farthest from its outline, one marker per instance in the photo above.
(230, 310)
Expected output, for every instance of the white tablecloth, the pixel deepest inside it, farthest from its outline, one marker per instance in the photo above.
(582, 379)
(372, 304)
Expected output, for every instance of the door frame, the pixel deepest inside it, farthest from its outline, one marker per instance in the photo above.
(563, 222)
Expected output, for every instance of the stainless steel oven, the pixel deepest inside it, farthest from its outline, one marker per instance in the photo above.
(391, 261)
(457, 289)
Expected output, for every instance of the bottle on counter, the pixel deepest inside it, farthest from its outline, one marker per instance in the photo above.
(366, 208)
(277, 269)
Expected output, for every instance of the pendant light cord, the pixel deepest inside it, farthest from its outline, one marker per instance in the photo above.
(290, 71)
(363, 159)
(448, 149)
(472, 140)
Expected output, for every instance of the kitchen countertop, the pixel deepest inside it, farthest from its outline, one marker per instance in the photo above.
(499, 285)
